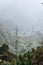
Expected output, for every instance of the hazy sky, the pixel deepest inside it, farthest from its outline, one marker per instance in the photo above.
(27, 14)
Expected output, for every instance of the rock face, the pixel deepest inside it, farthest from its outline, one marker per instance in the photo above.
(24, 43)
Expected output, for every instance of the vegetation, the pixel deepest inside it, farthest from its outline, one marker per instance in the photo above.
(34, 57)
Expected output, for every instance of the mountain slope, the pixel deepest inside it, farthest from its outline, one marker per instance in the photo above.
(24, 43)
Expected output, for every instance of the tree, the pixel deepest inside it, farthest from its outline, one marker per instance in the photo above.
(29, 59)
(5, 47)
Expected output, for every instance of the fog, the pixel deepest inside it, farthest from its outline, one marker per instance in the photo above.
(27, 14)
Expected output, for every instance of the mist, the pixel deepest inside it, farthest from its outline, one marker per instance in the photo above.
(26, 14)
